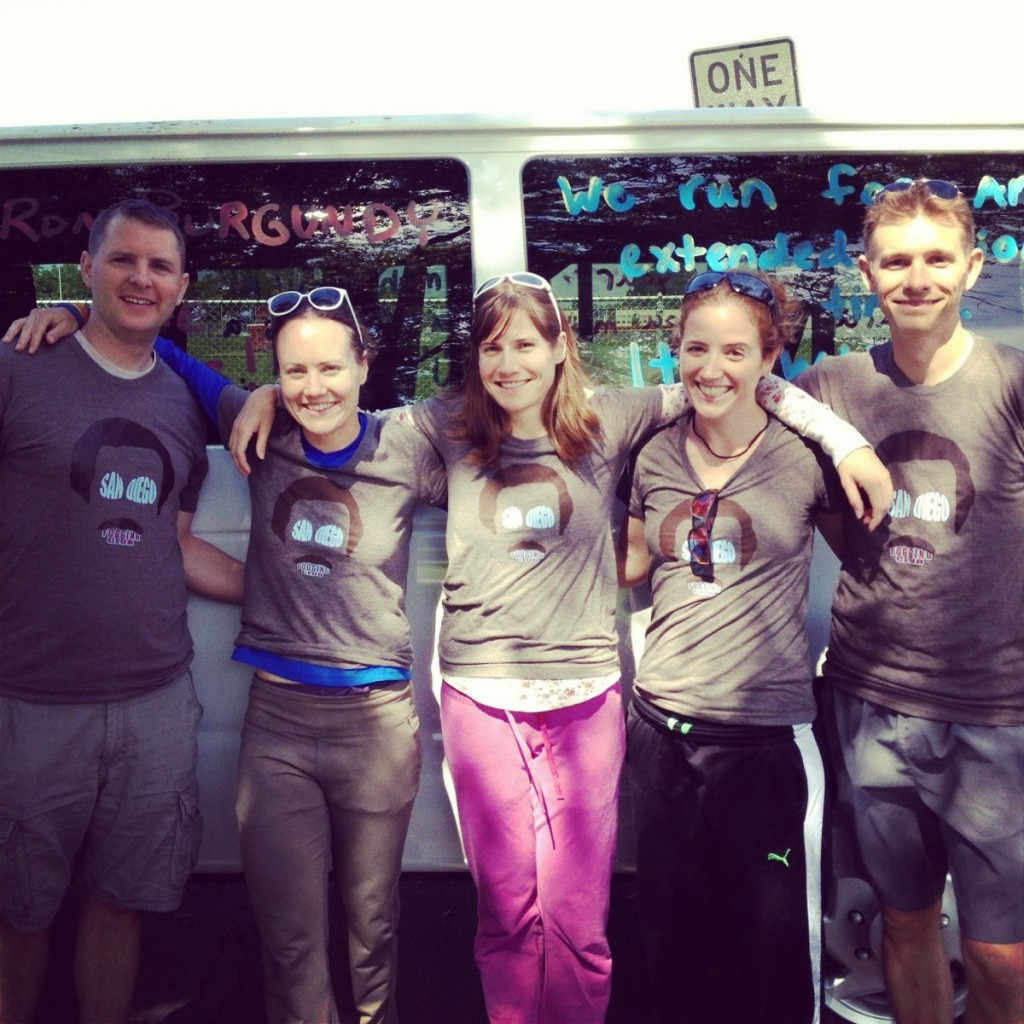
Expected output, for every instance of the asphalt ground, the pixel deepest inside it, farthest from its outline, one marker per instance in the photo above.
(201, 964)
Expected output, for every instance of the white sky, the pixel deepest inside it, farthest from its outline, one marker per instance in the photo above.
(69, 62)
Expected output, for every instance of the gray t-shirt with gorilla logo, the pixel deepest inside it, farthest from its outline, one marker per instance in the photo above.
(531, 588)
(94, 469)
(927, 618)
(732, 648)
(328, 556)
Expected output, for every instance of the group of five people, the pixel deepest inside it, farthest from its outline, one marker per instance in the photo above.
(728, 780)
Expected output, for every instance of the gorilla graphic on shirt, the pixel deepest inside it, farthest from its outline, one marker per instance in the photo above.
(116, 464)
(926, 470)
(527, 502)
(733, 539)
(311, 515)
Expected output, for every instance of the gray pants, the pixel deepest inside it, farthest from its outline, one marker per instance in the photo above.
(931, 796)
(322, 780)
(103, 792)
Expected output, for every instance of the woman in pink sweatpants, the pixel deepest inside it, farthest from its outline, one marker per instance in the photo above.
(531, 708)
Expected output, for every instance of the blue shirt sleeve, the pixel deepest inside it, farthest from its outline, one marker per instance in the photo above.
(205, 384)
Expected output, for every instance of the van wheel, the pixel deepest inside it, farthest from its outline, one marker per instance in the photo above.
(852, 979)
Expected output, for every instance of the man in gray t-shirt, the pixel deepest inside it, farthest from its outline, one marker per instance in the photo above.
(926, 654)
(102, 453)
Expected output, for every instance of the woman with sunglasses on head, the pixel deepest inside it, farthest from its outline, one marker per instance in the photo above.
(728, 785)
(330, 758)
(531, 708)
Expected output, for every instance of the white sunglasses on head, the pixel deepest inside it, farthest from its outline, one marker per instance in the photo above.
(523, 277)
(326, 298)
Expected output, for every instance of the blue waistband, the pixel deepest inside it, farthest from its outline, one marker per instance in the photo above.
(318, 675)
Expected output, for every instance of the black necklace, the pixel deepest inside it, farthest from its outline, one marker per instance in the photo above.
(693, 427)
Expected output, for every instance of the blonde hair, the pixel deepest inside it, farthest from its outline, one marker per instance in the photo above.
(918, 201)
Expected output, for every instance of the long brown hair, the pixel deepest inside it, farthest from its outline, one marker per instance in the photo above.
(570, 422)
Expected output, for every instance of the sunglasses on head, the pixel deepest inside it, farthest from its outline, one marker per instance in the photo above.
(743, 284)
(698, 540)
(325, 298)
(935, 186)
(526, 279)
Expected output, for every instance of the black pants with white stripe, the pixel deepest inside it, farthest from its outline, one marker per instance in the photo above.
(728, 823)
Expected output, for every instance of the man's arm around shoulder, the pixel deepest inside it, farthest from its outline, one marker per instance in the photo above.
(208, 570)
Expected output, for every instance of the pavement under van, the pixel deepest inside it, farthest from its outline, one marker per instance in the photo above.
(201, 964)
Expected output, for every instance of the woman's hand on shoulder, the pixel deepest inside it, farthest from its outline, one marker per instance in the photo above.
(41, 324)
(863, 475)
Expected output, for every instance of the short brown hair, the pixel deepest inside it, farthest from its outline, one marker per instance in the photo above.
(141, 210)
(919, 201)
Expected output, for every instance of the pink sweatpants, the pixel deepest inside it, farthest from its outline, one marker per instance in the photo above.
(538, 800)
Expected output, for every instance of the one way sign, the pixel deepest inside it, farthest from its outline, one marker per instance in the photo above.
(750, 75)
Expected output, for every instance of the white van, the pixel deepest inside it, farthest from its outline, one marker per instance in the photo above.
(407, 214)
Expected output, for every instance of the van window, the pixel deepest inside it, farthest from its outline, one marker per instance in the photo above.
(395, 233)
(620, 236)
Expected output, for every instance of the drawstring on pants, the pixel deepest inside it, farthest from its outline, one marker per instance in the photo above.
(549, 754)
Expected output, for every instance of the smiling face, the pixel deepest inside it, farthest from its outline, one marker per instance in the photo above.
(320, 380)
(720, 358)
(136, 278)
(517, 367)
(920, 269)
